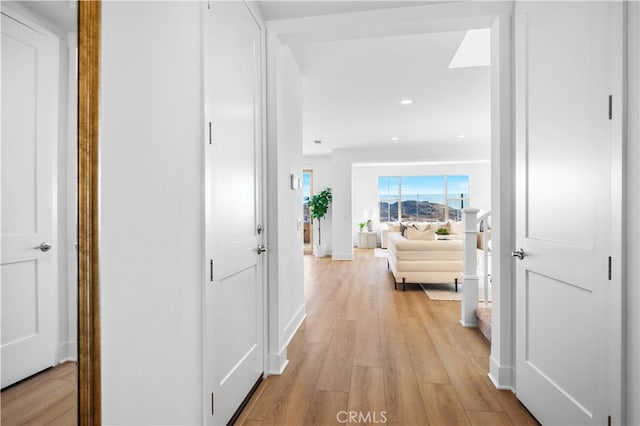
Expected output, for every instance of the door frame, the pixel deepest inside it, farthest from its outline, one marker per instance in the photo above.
(311, 243)
(89, 380)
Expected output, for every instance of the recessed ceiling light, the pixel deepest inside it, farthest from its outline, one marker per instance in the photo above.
(394, 139)
(406, 102)
(462, 136)
(317, 141)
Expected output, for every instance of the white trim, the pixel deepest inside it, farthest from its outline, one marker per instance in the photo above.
(631, 391)
(67, 351)
(502, 194)
(501, 374)
(295, 323)
(342, 256)
(278, 362)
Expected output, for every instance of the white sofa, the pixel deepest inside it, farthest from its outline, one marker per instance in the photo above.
(424, 261)
(389, 228)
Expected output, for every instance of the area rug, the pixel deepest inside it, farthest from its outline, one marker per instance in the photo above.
(447, 292)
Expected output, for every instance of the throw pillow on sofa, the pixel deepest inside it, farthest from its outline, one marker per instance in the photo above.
(413, 233)
(456, 228)
(394, 227)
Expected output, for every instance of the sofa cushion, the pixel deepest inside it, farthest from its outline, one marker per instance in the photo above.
(412, 233)
(394, 227)
(456, 228)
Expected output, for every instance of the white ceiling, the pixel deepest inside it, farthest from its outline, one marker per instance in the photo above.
(63, 13)
(352, 87)
(273, 10)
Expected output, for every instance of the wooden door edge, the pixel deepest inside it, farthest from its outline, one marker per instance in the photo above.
(89, 383)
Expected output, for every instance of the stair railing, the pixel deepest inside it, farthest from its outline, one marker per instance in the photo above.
(483, 225)
(470, 279)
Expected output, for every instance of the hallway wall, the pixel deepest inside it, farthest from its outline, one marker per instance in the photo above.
(151, 249)
(632, 385)
(284, 231)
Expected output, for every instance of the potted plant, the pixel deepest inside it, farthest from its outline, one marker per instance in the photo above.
(362, 225)
(318, 207)
(442, 233)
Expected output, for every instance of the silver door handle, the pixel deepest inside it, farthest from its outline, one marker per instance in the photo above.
(261, 249)
(44, 247)
(518, 253)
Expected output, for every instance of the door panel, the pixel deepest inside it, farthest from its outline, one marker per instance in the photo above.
(569, 371)
(564, 213)
(234, 346)
(29, 129)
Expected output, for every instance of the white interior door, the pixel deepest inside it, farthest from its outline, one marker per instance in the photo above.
(234, 279)
(29, 138)
(564, 75)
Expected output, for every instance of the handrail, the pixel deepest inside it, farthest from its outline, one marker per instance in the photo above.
(483, 221)
(473, 220)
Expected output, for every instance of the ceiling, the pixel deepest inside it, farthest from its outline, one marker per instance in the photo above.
(63, 13)
(352, 87)
(273, 10)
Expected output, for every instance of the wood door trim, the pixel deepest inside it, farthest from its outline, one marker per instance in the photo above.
(89, 383)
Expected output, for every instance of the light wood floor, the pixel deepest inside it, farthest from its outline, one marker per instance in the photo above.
(48, 398)
(386, 354)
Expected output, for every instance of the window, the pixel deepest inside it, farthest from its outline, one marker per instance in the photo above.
(388, 196)
(422, 198)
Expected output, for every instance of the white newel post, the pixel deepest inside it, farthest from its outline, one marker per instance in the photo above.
(470, 275)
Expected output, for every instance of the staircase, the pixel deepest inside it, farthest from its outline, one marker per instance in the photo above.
(484, 321)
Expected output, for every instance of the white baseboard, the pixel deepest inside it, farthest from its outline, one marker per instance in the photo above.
(342, 256)
(67, 351)
(278, 362)
(502, 377)
(295, 323)
(469, 325)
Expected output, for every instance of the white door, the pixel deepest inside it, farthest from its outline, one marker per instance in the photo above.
(233, 211)
(29, 138)
(565, 61)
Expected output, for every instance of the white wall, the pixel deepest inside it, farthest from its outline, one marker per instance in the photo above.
(151, 213)
(285, 231)
(633, 221)
(322, 178)
(365, 186)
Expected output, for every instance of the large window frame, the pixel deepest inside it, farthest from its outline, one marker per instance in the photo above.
(390, 205)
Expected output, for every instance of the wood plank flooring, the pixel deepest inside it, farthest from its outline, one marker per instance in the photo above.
(380, 356)
(48, 398)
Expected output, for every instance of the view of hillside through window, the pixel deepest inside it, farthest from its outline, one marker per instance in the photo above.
(422, 198)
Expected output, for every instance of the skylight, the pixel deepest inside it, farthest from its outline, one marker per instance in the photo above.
(474, 50)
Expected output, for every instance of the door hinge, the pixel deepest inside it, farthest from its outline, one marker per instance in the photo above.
(211, 270)
(209, 4)
(610, 107)
(210, 135)
(609, 268)
(213, 405)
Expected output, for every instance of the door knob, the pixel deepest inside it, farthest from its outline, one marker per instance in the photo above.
(44, 247)
(518, 253)
(261, 249)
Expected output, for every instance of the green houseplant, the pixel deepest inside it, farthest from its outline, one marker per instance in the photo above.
(442, 233)
(318, 207)
(362, 225)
